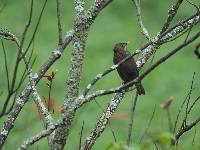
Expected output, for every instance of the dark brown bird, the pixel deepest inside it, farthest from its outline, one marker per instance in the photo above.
(128, 70)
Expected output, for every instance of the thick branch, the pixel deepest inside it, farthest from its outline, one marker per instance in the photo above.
(103, 121)
(83, 22)
(171, 14)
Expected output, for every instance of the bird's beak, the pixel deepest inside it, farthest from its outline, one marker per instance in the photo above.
(126, 47)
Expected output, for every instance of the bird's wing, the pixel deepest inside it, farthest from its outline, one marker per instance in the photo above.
(131, 65)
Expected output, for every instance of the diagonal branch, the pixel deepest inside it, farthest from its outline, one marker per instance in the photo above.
(186, 128)
(171, 14)
(139, 16)
(103, 121)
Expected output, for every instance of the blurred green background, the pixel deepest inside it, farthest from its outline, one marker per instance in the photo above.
(116, 23)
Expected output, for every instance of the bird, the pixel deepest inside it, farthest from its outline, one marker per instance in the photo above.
(128, 70)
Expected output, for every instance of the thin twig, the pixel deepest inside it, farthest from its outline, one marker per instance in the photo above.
(6, 67)
(130, 128)
(194, 5)
(24, 74)
(148, 126)
(183, 103)
(59, 22)
(187, 103)
(13, 102)
(169, 120)
(193, 104)
(196, 51)
(27, 25)
(81, 135)
(186, 128)
(36, 28)
(193, 139)
(189, 31)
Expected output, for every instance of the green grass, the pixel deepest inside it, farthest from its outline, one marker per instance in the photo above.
(116, 23)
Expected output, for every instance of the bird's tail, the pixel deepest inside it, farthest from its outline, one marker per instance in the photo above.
(140, 88)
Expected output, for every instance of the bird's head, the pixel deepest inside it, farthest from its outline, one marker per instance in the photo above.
(120, 47)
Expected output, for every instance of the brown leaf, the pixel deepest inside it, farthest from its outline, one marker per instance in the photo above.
(52, 104)
(167, 103)
(121, 116)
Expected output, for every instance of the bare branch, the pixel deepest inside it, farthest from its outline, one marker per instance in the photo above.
(109, 123)
(183, 103)
(130, 128)
(171, 14)
(143, 30)
(193, 104)
(6, 66)
(103, 121)
(196, 51)
(186, 128)
(148, 126)
(59, 22)
(81, 134)
(36, 28)
(27, 25)
(39, 136)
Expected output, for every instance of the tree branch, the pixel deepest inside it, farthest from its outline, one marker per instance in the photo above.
(59, 22)
(143, 30)
(103, 121)
(171, 14)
